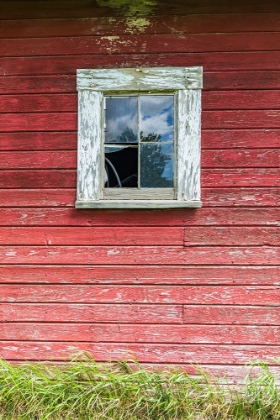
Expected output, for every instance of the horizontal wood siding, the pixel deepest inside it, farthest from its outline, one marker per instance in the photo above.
(165, 287)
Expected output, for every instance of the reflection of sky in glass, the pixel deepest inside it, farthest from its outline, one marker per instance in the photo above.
(156, 117)
(157, 165)
(121, 120)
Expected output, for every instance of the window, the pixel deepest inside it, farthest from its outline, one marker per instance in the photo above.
(139, 137)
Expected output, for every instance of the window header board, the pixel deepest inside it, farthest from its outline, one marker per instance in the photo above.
(140, 79)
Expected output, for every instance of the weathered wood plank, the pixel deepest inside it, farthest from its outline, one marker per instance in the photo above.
(206, 42)
(211, 139)
(249, 315)
(89, 145)
(66, 178)
(152, 275)
(232, 119)
(239, 196)
(251, 99)
(82, 9)
(223, 158)
(132, 294)
(244, 99)
(206, 295)
(254, 22)
(139, 255)
(95, 236)
(127, 333)
(140, 79)
(194, 236)
(139, 313)
(236, 158)
(241, 119)
(39, 140)
(120, 313)
(249, 197)
(253, 60)
(231, 236)
(218, 80)
(144, 353)
(205, 216)
(248, 138)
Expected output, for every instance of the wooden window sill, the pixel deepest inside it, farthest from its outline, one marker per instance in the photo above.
(137, 204)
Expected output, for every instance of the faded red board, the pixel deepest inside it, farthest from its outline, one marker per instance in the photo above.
(147, 353)
(246, 197)
(151, 333)
(61, 159)
(211, 139)
(147, 294)
(133, 275)
(206, 42)
(254, 22)
(206, 216)
(250, 60)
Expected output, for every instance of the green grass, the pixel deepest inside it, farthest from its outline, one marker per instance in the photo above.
(85, 390)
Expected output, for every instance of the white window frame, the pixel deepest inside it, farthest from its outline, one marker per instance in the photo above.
(93, 85)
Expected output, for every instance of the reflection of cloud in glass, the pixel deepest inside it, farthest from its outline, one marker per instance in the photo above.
(121, 120)
(157, 116)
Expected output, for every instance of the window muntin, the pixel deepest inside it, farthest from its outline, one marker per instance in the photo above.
(139, 141)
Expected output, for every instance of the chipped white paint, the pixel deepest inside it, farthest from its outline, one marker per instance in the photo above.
(140, 79)
(137, 204)
(92, 84)
(189, 128)
(89, 145)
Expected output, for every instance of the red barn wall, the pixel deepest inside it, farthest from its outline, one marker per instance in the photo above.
(166, 287)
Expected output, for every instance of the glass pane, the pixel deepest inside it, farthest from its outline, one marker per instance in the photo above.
(156, 118)
(121, 120)
(121, 167)
(157, 165)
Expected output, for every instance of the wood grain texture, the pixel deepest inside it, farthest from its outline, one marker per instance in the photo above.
(249, 315)
(33, 9)
(214, 61)
(66, 178)
(232, 236)
(119, 313)
(193, 236)
(213, 197)
(42, 28)
(250, 99)
(211, 139)
(149, 353)
(138, 255)
(209, 42)
(134, 275)
(165, 295)
(92, 236)
(217, 80)
(151, 333)
(223, 119)
(222, 158)
(230, 216)
(140, 313)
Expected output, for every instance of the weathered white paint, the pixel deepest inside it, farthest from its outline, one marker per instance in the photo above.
(140, 79)
(189, 129)
(137, 204)
(89, 145)
(92, 84)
